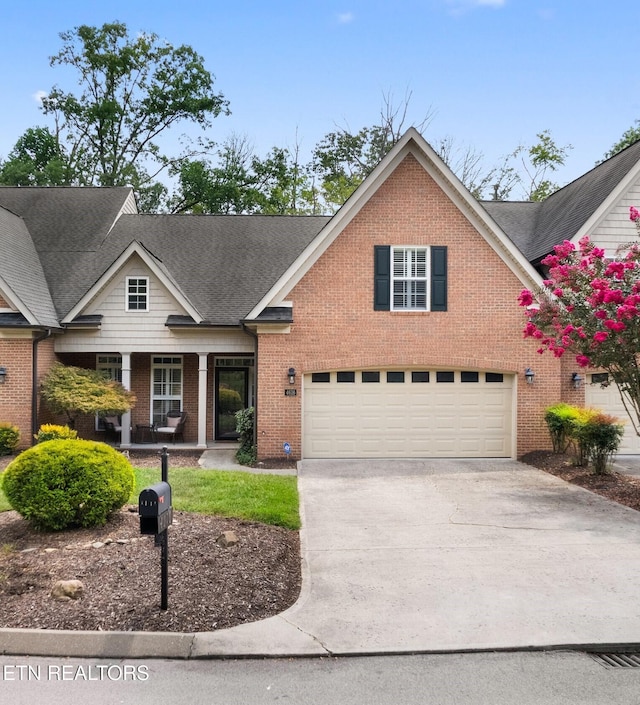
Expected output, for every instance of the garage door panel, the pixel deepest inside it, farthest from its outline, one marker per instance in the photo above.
(427, 419)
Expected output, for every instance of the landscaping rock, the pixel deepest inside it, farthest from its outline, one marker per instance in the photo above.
(65, 590)
(227, 538)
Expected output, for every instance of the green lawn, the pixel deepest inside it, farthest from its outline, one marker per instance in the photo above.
(270, 499)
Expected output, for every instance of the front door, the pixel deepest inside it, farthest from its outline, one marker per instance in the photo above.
(232, 387)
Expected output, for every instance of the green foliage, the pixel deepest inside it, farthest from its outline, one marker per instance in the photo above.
(271, 499)
(132, 89)
(628, 138)
(598, 437)
(230, 401)
(35, 160)
(558, 418)
(75, 390)
(68, 483)
(9, 438)
(246, 454)
(52, 432)
(595, 436)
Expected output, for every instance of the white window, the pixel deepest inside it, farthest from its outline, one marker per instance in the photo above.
(111, 366)
(166, 387)
(137, 298)
(409, 278)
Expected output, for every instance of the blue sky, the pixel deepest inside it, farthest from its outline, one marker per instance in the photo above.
(492, 73)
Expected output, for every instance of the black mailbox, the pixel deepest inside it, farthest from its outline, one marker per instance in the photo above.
(154, 507)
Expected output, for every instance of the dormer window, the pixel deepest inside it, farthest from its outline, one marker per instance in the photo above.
(137, 297)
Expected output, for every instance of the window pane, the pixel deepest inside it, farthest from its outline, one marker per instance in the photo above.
(321, 377)
(393, 377)
(494, 377)
(444, 377)
(346, 377)
(419, 376)
(370, 376)
(469, 377)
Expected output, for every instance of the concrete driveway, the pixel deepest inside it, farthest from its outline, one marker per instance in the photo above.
(426, 556)
(431, 555)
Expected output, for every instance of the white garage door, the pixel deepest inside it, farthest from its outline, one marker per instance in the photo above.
(608, 399)
(408, 413)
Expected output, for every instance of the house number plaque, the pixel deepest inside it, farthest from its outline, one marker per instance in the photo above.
(291, 392)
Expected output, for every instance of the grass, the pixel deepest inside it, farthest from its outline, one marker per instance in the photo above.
(270, 499)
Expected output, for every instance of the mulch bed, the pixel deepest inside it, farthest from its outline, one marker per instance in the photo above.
(210, 587)
(621, 488)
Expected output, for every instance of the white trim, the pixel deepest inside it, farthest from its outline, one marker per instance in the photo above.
(112, 271)
(609, 202)
(14, 300)
(129, 295)
(411, 143)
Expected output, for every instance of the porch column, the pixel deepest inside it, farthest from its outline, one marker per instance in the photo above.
(125, 434)
(202, 400)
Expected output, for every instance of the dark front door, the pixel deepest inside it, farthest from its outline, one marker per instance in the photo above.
(232, 385)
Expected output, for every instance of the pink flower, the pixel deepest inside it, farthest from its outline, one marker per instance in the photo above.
(565, 249)
(634, 213)
(601, 314)
(616, 326)
(600, 336)
(613, 296)
(525, 298)
(558, 352)
(583, 360)
(557, 292)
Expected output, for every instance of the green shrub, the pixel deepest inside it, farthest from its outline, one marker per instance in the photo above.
(558, 419)
(52, 432)
(246, 454)
(9, 438)
(68, 483)
(229, 401)
(598, 437)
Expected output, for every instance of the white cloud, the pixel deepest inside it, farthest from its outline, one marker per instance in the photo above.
(460, 6)
(346, 17)
(39, 95)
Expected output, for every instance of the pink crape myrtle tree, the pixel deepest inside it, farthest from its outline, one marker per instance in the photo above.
(590, 307)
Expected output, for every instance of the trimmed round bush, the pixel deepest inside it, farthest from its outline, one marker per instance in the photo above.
(66, 483)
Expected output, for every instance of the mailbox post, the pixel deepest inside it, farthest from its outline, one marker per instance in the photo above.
(156, 515)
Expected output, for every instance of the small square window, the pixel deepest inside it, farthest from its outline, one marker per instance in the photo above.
(321, 377)
(346, 377)
(417, 376)
(445, 377)
(469, 377)
(369, 376)
(600, 378)
(395, 377)
(493, 377)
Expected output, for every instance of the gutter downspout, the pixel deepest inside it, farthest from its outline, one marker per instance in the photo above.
(34, 382)
(255, 391)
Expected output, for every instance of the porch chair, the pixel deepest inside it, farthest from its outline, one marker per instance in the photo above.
(112, 426)
(175, 425)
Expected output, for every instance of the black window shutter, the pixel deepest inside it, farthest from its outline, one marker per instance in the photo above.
(438, 278)
(382, 278)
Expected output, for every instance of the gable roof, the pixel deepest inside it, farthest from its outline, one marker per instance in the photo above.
(411, 143)
(222, 264)
(67, 226)
(570, 211)
(22, 280)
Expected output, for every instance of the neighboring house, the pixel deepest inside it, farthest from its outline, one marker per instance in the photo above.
(391, 329)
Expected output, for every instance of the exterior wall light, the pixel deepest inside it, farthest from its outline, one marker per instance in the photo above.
(292, 375)
(3, 374)
(576, 380)
(529, 374)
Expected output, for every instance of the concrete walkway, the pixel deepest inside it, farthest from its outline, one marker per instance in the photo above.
(427, 555)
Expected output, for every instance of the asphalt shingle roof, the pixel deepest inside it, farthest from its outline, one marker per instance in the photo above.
(22, 272)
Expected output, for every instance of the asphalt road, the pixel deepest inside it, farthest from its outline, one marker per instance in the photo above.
(526, 678)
